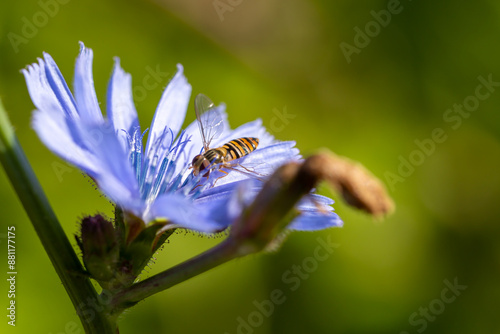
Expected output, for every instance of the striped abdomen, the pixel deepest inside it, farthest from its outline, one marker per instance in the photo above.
(240, 147)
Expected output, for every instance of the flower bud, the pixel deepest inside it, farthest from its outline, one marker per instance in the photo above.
(99, 247)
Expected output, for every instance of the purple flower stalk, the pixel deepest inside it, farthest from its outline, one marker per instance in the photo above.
(156, 182)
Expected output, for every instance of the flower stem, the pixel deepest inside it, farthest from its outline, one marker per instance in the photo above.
(50, 232)
(225, 251)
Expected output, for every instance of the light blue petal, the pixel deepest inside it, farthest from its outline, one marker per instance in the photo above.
(274, 155)
(313, 201)
(42, 79)
(54, 133)
(226, 190)
(114, 176)
(182, 212)
(59, 87)
(85, 95)
(218, 213)
(121, 109)
(41, 92)
(227, 205)
(314, 220)
(171, 110)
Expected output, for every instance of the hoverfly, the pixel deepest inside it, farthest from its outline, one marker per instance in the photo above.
(211, 126)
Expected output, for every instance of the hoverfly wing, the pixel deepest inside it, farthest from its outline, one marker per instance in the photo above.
(210, 120)
(250, 170)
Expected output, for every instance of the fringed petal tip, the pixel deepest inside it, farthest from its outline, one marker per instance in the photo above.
(84, 91)
(82, 46)
(47, 59)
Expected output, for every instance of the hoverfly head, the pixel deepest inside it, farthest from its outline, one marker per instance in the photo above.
(199, 163)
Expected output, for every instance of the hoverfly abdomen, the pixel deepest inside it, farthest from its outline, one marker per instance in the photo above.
(240, 147)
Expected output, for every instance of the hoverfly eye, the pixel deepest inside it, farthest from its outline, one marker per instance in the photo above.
(195, 159)
(204, 164)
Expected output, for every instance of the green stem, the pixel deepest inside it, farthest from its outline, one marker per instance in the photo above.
(56, 244)
(223, 252)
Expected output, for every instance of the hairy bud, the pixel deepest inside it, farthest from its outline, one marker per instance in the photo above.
(99, 246)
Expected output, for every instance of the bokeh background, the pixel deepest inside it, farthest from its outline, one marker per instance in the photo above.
(367, 97)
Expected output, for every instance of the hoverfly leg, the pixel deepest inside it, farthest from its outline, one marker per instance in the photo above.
(220, 177)
(199, 182)
(198, 185)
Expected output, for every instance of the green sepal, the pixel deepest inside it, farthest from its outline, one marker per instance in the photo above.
(145, 244)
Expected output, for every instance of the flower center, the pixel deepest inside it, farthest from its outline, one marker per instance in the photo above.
(155, 169)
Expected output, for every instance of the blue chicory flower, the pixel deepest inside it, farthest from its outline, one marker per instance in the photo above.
(154, 182)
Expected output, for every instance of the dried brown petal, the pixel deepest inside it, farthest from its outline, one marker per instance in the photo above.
(353, 181)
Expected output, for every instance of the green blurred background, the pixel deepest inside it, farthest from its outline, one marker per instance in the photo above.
(261, 58)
